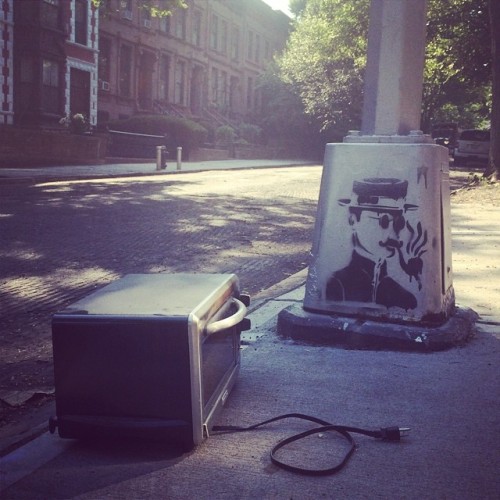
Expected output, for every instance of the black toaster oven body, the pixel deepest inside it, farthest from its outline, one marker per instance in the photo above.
(149, 356)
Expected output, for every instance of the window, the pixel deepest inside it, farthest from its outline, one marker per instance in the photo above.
(223, 37)
(250, 46)
(219, 87)
(165, 24)
(257, 48)
(180, 72)
(79, 91)
(125, 70)
(104, 59)
(164, 77)
(223, 89)
(235, 44)
(146, 19)
(196, 40)
(214, 33)
(81, 10)
(126, 9)
(215, 85)
(249, 92)
(50, 86)
(180, 23)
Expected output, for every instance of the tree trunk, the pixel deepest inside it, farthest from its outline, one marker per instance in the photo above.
(493, 169)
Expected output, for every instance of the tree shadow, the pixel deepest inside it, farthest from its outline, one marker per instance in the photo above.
(62, 240)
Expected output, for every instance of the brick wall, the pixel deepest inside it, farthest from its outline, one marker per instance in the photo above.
(37, 147)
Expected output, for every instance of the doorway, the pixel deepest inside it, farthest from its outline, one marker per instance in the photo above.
(80, 92)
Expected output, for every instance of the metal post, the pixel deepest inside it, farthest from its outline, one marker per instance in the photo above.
(179, 158)
(159, 162)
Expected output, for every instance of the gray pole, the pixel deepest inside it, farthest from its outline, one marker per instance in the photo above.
(394, 70)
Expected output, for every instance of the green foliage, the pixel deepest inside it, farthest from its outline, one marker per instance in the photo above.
(285, 122)
(249, 133)
(457, 73)
(325, 58)
(210, 127)
(225, 135)
(179, 131)
(297, 7)
(471, 110)
(324, 61)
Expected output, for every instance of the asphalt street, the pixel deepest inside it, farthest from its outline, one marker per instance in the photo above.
(61, 239)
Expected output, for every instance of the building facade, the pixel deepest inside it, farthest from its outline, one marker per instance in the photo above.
(203, 61)
(62, 57)
(6, 63)
(49, 61)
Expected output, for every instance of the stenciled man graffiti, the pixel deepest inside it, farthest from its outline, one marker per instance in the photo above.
(377, 217)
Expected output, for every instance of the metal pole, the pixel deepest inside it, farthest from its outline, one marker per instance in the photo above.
(179, 158)
(159, 157)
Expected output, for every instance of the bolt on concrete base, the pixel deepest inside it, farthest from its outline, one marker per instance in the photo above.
(356, 333)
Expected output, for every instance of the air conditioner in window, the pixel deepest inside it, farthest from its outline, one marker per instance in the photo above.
(105, 86)
(147, 23)
(127, 14)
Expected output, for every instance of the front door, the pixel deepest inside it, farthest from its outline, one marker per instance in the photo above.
(80, 92)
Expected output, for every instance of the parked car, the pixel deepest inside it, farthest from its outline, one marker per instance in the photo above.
(472, 145)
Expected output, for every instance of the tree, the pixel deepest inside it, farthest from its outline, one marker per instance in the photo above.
(325, 59)
(297, 6)
(493, 169)
(457, 72)
(284, 120)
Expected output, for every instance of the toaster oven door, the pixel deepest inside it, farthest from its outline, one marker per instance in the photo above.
(219, 361)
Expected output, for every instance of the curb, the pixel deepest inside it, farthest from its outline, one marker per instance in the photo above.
(101, 176)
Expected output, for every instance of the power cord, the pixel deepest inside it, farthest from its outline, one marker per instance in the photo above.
(386, 434)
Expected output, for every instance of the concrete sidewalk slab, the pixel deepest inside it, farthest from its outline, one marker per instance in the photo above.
(476, 259)
(449, 399)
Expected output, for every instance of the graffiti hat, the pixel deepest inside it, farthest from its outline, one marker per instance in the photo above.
(380, 195)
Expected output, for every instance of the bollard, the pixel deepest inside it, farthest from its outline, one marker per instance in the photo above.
(179, 158)
(161, 157)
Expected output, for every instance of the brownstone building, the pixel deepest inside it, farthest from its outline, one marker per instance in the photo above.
(61, 57)
(201, 61)
(49, 52)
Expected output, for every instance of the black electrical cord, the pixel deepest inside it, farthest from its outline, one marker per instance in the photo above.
(386, 433)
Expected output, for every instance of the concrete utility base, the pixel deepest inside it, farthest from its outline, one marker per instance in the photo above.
(356, 333)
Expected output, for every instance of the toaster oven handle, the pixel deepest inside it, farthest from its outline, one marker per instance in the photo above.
(236, 318)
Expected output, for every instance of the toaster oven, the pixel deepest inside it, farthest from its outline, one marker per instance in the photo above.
(148, 356)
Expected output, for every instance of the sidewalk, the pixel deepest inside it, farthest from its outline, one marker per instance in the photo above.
(449, 399)
(134, 169)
